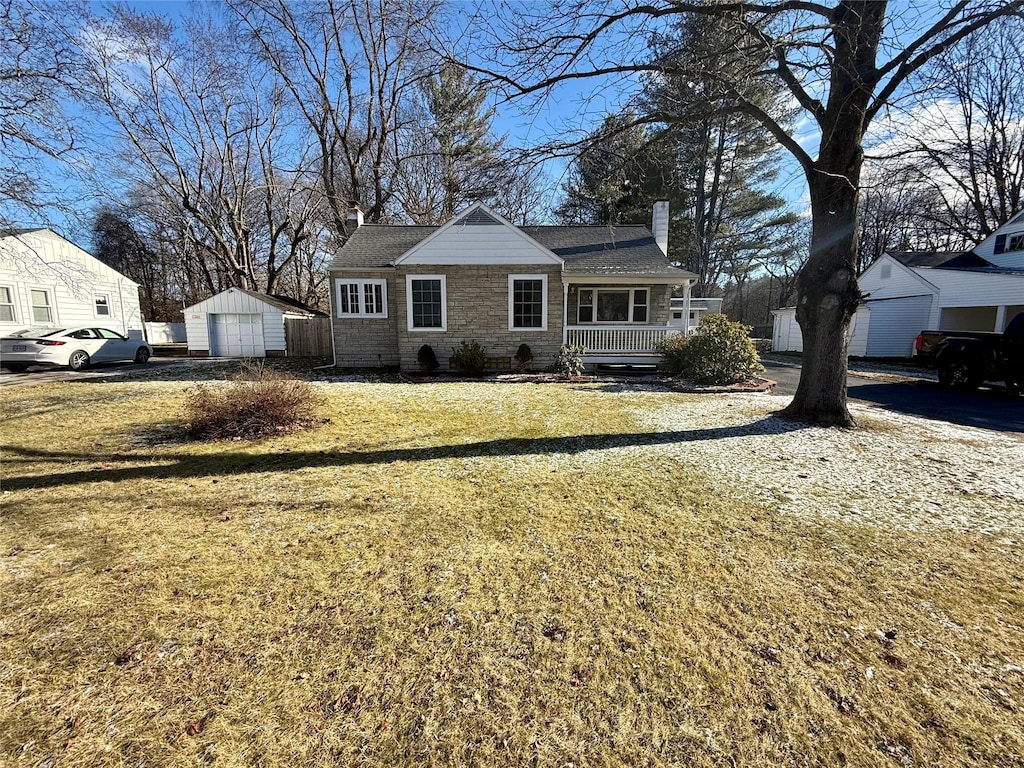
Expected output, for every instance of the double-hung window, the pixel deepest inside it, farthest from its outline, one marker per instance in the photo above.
(362, 298)
(527, 302)
(6, 304)
(426, 299)
(42, 308)
(102, 304)
(613, 305)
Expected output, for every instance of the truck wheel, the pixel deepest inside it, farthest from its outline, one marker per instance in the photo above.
(957, 374)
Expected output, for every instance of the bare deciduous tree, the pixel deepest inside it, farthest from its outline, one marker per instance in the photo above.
(350, 67)
(37, 67)
(830, 58)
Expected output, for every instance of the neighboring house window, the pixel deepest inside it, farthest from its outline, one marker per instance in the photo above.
(6, 304)
(885, 271)
(102, 305)
(42, 309)
(1016, 242)
(362, 298)
(426, 299)
(613, 305)
(527, 302)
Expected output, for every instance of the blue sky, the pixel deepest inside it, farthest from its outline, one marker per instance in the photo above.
(577, 106)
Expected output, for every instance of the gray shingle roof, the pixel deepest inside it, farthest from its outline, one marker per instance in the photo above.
(923, 258)
(594, 250)
(284, 303)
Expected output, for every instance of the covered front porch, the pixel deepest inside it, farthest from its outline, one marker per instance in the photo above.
(621, 320)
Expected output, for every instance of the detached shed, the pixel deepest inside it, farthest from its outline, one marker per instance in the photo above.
(787, 336)
(241, 323)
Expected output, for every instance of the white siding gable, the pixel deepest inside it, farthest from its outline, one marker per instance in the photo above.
(478, 244)
(887, 278)
(73, 280)
(1011, 230)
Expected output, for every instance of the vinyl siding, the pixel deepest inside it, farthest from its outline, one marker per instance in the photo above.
(233, 302)
(1012, 259)
(479, 245)
(895, 324)
(787, 337)
(902, 280)
(72, 279)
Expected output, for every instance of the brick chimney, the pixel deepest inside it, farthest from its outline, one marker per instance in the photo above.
(659, 225)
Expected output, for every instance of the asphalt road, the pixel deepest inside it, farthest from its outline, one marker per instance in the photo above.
(987, 408)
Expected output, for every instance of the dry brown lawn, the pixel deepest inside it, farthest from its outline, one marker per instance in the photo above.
(456, 575)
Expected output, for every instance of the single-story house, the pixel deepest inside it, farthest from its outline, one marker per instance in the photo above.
(242, 323)
(47, 280)
(396, 288)
(908, 292)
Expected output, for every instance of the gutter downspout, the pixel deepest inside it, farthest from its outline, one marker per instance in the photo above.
(120, 301)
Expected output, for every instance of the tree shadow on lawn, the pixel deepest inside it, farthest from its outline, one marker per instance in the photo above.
(187, 465)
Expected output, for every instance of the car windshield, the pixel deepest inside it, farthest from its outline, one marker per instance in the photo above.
(35, 332)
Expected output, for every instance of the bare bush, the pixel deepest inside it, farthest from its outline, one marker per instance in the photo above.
(258, 401)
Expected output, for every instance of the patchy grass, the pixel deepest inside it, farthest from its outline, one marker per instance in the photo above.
(468, 575)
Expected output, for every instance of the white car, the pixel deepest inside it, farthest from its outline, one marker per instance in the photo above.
(74, 347)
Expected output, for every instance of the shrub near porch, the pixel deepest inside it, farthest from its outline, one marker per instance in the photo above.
(479, 575)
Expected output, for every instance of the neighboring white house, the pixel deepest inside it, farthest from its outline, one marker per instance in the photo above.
(241, 323)
(48, 280)
(906, 293)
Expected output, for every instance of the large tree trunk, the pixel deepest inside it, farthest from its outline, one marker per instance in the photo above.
(827, 297)
(827, 293)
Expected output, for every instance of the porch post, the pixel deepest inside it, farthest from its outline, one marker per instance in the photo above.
(686, 307)
(1000, 318)
(565, 312)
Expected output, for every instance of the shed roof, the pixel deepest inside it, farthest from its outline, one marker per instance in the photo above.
(283, 303)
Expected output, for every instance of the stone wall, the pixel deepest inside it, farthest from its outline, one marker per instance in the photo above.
(477, 309)
(366, 342)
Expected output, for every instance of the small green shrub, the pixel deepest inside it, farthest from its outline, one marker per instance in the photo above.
(524, 356)
(256, 402)
(720, 352)
(569, 361)
(470, 358)
(426, 358)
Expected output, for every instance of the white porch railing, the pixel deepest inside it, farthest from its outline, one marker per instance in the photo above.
(619, 339)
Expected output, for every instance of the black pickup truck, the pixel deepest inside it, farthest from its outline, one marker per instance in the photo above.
(966, 359)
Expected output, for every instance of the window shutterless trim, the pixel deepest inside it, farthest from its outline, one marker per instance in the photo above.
(9, 303)
(365, 288)
(544, 303)
(409, 279)
(614, 289)
(50, 305)
(96, 305)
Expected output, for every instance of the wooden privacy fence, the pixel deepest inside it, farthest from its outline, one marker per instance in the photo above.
(308, 336)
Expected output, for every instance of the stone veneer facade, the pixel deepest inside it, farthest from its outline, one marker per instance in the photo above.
(477, 310)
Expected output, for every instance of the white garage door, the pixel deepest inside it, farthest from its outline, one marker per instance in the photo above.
(236, 335)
